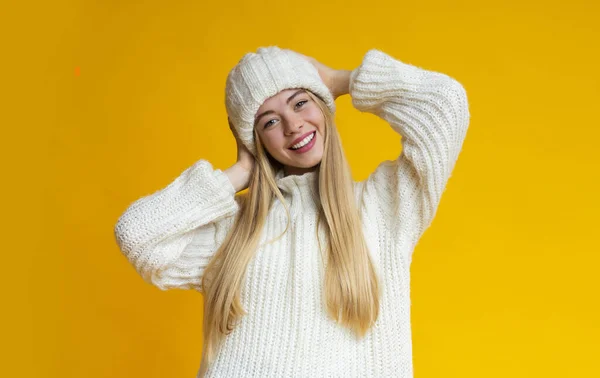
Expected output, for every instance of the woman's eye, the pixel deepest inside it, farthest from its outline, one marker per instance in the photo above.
(298, 105)
(301, 102)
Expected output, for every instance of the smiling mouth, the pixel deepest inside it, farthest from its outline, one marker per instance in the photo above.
(310, 140)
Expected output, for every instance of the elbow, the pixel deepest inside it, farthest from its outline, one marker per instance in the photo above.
(128, 234)
(457, 96)
(121, 233)
(132, 246)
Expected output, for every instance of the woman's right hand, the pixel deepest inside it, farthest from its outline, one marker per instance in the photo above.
(245, 159)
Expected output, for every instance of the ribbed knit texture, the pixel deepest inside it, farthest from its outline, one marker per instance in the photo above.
(170, 236)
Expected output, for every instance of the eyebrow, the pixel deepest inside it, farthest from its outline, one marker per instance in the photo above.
(286, 101)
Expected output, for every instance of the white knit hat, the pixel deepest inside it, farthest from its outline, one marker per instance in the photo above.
(261, 75)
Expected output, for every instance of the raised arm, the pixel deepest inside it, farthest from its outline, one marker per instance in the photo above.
(430, 111)
(171, 235)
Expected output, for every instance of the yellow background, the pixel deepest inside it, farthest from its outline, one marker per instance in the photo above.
(104, 102)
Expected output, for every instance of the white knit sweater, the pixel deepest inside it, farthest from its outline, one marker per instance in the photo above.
(169, 237)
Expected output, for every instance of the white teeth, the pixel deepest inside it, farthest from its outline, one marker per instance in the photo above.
(303, 142)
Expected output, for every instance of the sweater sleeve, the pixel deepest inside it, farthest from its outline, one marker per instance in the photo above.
(430, 112)
(170, 236)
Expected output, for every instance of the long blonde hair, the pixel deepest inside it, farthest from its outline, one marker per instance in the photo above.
(352, 288)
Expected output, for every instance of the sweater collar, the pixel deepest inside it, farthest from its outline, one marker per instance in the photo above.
(290, 183)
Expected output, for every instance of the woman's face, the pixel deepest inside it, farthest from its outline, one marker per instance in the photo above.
(290, 126)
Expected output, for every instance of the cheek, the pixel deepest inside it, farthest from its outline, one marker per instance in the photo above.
(272, 141)
(315, 117)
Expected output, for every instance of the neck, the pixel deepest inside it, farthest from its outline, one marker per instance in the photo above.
(289, 170)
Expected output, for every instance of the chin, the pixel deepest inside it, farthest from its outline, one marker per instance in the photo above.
(310, 165)
(304, 164)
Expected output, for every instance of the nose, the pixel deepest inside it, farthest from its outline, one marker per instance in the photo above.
(293, 124)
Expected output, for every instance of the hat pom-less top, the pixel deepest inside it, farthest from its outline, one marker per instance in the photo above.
(261, 75)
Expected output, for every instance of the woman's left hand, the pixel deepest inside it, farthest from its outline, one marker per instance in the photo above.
(335, 80)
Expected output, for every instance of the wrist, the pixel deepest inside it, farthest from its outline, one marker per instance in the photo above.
(239, 176)
(243, 166)
(341, 83)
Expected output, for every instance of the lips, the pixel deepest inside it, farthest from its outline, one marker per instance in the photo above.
(298, 140)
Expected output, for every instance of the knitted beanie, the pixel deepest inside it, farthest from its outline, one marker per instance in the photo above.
(261, 75)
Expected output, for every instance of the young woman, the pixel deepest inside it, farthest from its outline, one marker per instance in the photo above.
(307, 273)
